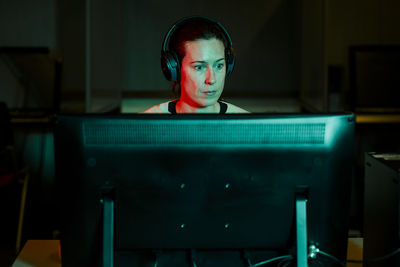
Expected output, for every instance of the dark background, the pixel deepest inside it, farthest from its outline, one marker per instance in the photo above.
(285, 50)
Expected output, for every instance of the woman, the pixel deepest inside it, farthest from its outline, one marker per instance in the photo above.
(197, 55)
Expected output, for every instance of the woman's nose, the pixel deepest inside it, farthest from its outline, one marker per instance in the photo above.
(210, 76)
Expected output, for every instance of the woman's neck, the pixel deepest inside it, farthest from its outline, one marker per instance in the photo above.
(184, 107)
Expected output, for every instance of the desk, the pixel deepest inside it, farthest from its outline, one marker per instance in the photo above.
(45, 253)
(39, 253)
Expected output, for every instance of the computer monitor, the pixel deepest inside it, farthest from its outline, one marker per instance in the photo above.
(200, 183)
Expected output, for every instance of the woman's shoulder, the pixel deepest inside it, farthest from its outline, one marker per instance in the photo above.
(158, 109)
(234, 109)
(163, 108)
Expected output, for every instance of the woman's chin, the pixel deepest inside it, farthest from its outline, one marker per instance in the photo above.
(210, 102)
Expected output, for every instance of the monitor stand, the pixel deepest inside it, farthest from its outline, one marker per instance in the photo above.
(301, 230)
(108, 231)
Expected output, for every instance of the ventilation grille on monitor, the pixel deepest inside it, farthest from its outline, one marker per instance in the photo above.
(162, 133)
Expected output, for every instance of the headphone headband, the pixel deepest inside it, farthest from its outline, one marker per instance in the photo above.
(169, 59)
(183, 20)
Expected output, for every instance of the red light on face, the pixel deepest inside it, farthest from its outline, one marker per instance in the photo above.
(203, 73)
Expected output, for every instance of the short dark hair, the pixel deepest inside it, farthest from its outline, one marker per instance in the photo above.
(195, 29)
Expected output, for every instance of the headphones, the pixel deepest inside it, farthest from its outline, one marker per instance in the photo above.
(169, 59)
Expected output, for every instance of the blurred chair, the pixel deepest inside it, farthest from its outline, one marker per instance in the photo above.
(10, 173)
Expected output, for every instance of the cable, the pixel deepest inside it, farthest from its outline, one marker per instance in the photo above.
(332, 258)
(285, 263)
(285, 257)
(376, 259)
(192, 254)
(360, 261)
(314, 251)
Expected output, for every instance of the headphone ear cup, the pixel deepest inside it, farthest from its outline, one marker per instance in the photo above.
(170, 66)
(230, 61)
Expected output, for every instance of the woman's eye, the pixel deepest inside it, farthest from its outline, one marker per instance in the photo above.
(220, 66)
(198, 67)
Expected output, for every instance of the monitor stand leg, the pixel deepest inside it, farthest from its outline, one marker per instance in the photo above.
(108, 231)
(301, 231)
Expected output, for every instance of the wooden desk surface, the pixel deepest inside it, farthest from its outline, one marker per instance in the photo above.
(39, 253)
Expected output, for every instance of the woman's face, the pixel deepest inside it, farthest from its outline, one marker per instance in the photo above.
(202, 72)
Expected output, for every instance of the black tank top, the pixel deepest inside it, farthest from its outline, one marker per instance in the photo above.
(172, 107)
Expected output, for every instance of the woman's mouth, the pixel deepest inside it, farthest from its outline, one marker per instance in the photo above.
(210, 93)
